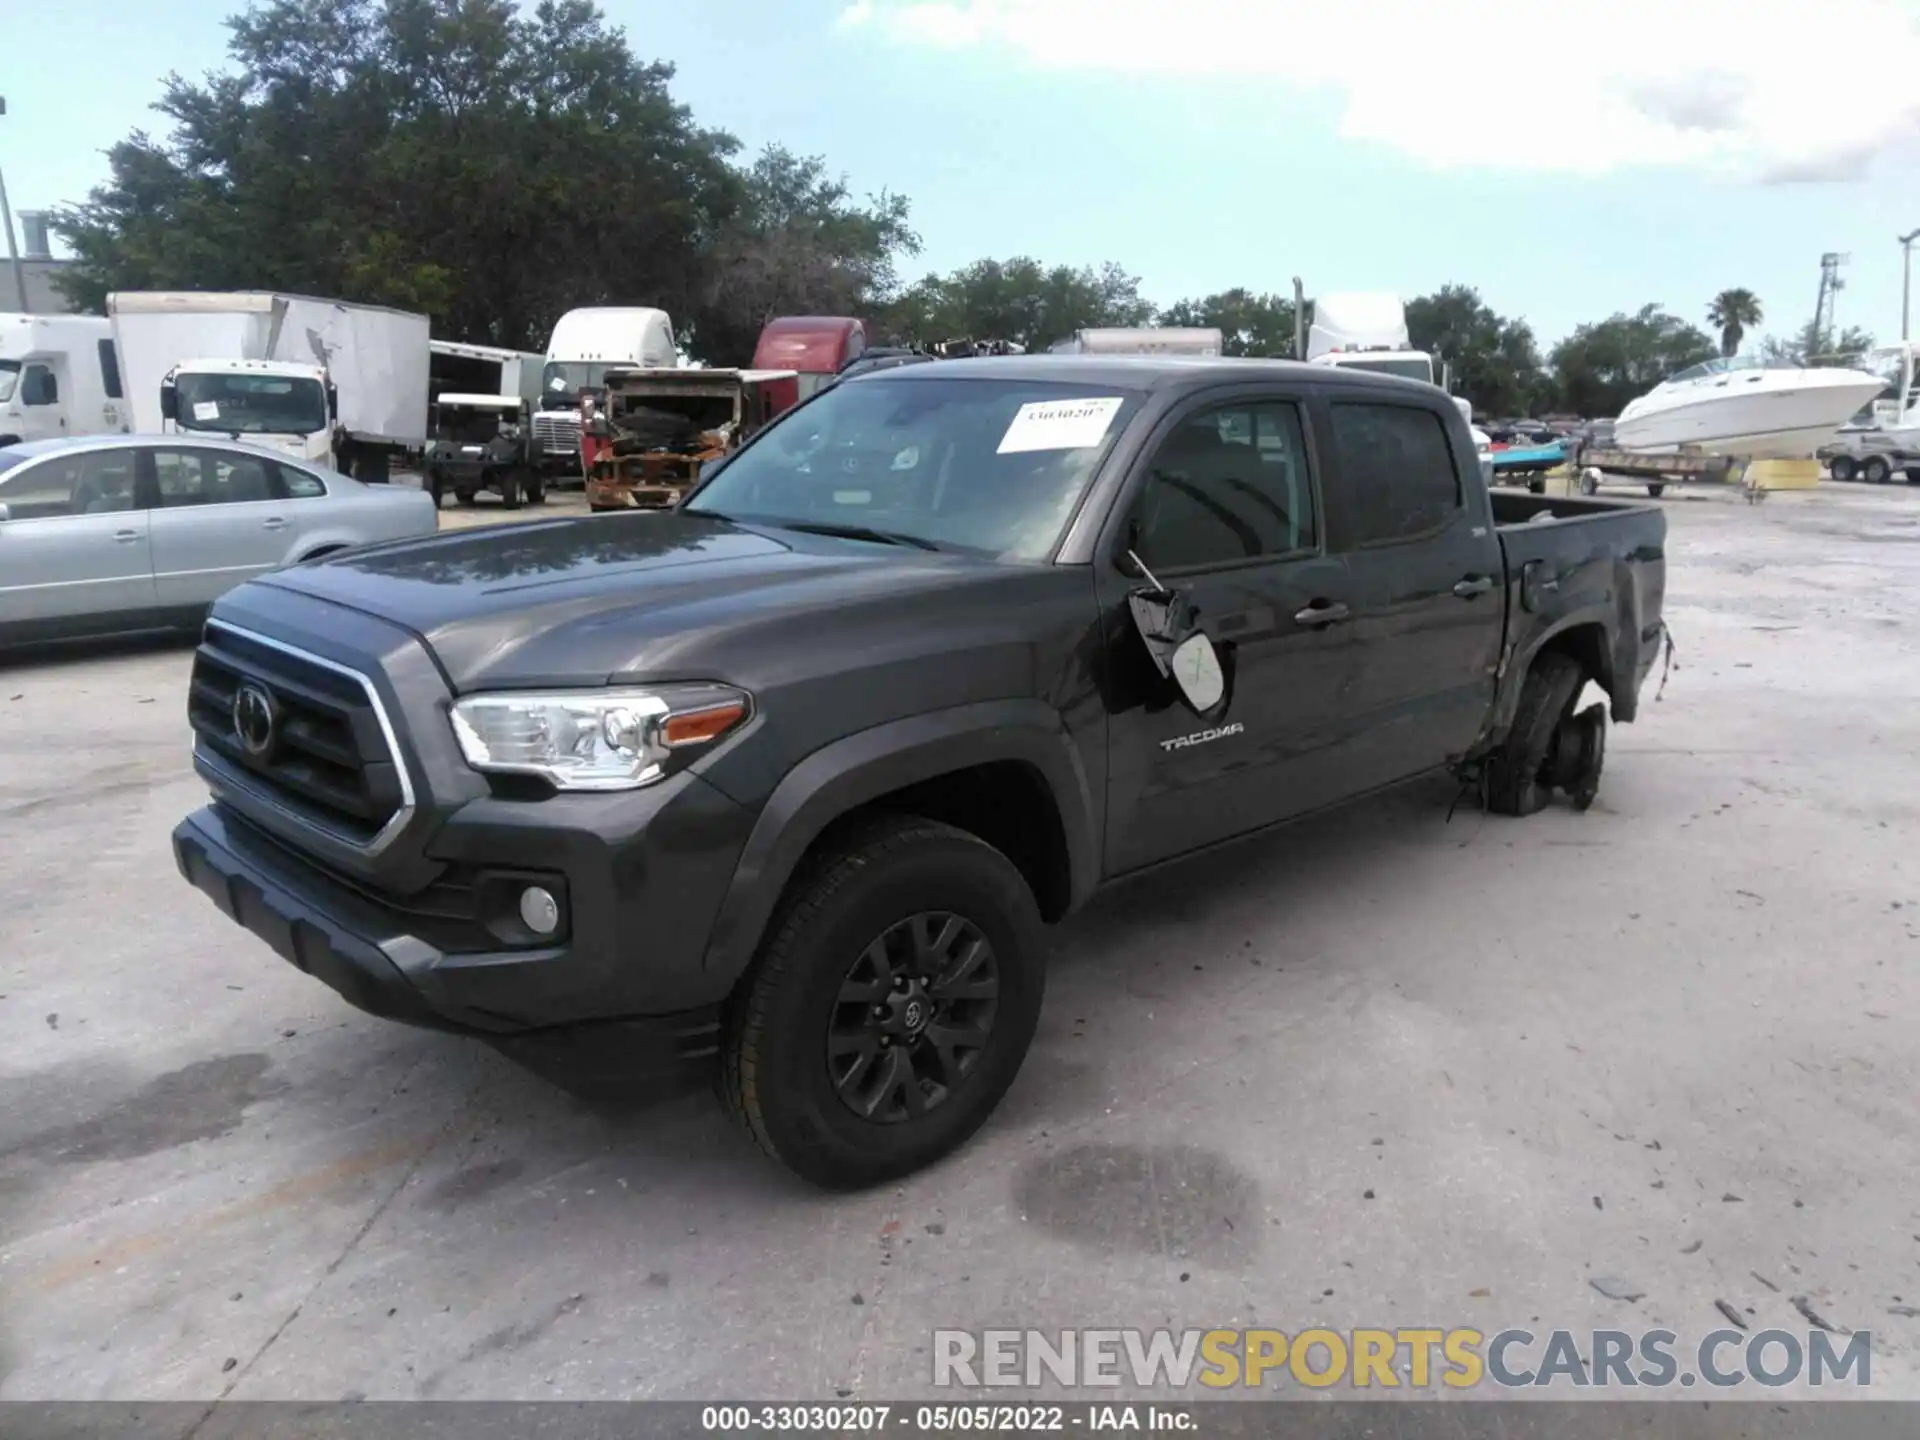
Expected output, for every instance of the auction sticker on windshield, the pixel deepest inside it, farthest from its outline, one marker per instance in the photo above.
(206, 409)
(1060, 425)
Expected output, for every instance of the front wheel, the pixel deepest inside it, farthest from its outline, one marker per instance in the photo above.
(1841, 467)
(1537, 485)
(1657, 490)
(535, 489)
(890, 1008)
(510, 490)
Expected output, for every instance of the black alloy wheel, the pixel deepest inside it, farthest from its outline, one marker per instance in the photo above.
(914, 1015)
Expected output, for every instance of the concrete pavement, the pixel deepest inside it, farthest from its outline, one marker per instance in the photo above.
(1380, 1069)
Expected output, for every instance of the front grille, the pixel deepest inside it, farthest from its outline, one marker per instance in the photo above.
(329, 758)
(556, 434)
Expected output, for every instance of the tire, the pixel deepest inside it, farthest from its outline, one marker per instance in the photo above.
(1842, 468)
(466, 495)
(535, 489)
(1875, 470)
(510, 490)
(1656, 491)
(775, 1070)
(1514, 784)
(434, 485)
(1537, 486)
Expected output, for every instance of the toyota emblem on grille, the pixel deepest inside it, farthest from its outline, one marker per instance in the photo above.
(256, 719)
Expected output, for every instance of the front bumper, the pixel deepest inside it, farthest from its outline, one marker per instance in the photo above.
(363, 950)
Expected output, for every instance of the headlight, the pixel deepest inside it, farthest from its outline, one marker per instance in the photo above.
(594, 739)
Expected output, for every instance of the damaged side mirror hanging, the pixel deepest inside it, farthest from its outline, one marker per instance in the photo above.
(1178, 647)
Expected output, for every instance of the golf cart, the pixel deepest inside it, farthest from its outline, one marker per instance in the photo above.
(479, 442)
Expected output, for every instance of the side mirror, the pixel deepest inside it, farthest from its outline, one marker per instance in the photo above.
(6, 514)
(333, 400)
(1180, 650)
(169, 403)
(1196, 670)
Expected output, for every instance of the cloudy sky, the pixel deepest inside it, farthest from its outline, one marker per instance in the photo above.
(1569, 159)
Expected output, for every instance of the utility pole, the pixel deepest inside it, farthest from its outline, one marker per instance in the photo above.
(1906, 277)
(6, 220)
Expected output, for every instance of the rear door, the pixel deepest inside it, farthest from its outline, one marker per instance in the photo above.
(74, 550)
(218, 520)
(1425, 562)
(1225, 507)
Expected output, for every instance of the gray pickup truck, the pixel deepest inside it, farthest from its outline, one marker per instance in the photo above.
(797, 774)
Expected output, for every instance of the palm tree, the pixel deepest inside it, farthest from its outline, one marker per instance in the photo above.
(1733, 311)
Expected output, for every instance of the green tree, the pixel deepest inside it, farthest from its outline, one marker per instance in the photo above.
(1249, 323)
(797, 244)
(490, 165)
(1020, 300)
(1491, 360)
(1600, 367)
(1806, 346)
(1732, 311)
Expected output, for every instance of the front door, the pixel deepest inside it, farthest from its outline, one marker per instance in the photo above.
(1226, 508)
(43, 405)
(217, 521)
(74, 550)
(1427, 572)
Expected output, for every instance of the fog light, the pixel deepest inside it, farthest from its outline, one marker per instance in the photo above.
(539, 911)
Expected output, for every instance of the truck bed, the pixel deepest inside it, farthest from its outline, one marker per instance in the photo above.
(1575, 561)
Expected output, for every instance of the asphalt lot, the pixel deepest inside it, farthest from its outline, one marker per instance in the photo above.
(1381, 1069)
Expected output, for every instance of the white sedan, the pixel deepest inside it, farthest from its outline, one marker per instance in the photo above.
(109, 533)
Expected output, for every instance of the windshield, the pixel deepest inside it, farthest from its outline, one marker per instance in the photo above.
(985, 465)
(1407, 367)
(565, 379)
(248, 404)
(9, 377)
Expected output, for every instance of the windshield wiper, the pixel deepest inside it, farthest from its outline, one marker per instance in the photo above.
(856, 532)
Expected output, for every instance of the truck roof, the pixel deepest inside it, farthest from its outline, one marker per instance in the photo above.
(810, 343)
(290, 369)
(1145, 373)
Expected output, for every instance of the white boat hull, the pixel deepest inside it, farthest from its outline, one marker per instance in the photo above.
(1770, 421)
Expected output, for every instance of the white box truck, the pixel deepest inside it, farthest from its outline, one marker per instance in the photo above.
(59, 375)
(331, 383)
(585, 345)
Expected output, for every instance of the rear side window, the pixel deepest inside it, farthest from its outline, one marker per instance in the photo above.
(109, 370)
(1397, 465)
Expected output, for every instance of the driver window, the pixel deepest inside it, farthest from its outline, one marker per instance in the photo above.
(1228, 485)
(38, 387)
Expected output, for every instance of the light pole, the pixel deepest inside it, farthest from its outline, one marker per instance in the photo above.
(1906, 277)
(6, 220)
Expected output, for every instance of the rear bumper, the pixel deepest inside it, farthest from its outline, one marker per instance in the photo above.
(366, 953)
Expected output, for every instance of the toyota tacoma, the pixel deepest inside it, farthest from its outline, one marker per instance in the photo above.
(797, 774)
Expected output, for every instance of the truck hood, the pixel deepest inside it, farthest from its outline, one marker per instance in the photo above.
(644, 596)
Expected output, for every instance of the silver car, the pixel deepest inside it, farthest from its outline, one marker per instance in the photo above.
(141, 532)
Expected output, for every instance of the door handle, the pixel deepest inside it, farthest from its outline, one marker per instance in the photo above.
(126, 537)
(1321, 613)
(273, 522)
(1472, 586)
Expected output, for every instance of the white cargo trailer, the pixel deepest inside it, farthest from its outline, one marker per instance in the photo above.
(330, 382)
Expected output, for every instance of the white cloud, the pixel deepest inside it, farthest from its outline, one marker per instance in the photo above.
(1776, 89)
